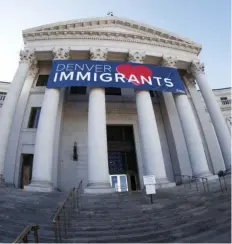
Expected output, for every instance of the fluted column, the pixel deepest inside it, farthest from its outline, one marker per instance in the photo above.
(153, 160)
(192, 136)
(218, 120)
(45, 136)
(27, 57)
(98, 169)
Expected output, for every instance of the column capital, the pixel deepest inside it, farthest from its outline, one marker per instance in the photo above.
(169, 61)
(196, 67)
(98, 53)
(136, 56)
(61, 53)
(34, 70)
(27, 56)
(189, 78)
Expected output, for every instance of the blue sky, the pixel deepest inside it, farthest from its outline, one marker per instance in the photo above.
(204, 21)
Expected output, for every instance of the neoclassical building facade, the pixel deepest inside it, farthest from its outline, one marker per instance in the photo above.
(108, 137)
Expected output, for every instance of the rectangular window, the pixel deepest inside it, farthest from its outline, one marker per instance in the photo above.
(151, 93)
(113, 91)
(42, 80)
(78, 90)
(2, 96)
(34, 117)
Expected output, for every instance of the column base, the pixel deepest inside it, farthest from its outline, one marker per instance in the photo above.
(164, 183)
(99, 188)
(40, 186)
(209, 177)
(228, 171)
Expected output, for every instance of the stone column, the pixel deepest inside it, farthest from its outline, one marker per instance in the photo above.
(180, 159)
(27, 57)
(98, 169)
(212, 147)
(45, 135)
(192, 136)
(148, 133)
(218, 120)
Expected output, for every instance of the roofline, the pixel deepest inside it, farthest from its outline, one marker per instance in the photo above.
(222, 88)
(110, 18)
(8, 82)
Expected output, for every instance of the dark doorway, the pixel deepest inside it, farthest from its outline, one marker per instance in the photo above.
(26, 170)
(122, 157)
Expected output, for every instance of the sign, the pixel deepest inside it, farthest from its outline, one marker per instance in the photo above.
(66, 73)
(150, 189)
(149, 180)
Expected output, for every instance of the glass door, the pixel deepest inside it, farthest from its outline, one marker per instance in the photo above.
(119, 182)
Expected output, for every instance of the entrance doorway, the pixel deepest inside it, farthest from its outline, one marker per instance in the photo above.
(26, 170)
(122, 158)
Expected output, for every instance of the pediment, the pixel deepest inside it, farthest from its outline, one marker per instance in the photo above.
(106, 26)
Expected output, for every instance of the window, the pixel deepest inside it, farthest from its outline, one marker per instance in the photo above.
(2, 96)
(42, 80)
(113, 91)
(151, 93)
(34, 117)
(78, 90)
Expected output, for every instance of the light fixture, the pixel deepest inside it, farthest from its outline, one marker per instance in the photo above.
(75, 156)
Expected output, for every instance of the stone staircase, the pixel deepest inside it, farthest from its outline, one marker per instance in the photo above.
(20, 208)
(178, 215)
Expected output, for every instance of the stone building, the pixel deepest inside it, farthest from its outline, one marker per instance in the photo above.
(119, 135)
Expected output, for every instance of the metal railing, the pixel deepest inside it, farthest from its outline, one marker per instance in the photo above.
(190, 180)
(23, 237)
(62, 218)
(221, 175)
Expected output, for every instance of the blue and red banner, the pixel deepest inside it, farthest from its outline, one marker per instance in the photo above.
(67, 73)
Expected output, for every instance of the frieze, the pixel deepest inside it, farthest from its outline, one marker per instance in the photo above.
(122, 37)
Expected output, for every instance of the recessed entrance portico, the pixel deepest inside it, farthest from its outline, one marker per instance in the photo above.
(122, 160)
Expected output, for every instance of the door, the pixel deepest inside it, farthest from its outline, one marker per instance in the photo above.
(119, 182)
(26, 171)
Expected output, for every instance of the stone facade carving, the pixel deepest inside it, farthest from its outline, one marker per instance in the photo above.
(88, 29)
(98, 53)
(169, 61)
(61, 53)
(189, 79)
(197, 67)
(136, 57)
(27, 56)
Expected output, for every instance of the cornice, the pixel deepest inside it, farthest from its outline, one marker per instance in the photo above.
(111, 21)
(114, 36)
(90, 29)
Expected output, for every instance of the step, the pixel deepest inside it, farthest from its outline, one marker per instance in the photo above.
(161, 236)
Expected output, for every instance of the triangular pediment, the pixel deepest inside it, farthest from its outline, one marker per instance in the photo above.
(108, 25)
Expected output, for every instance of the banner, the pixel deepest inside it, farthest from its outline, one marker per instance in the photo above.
(67, 73)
